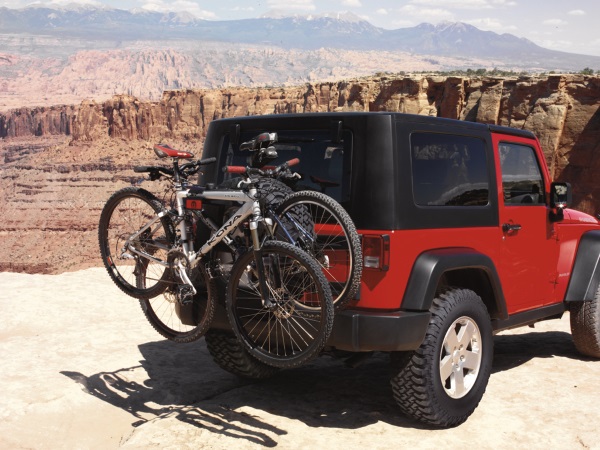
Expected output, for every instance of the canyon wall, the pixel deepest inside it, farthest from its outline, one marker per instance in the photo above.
(561, 110)
(60, 164)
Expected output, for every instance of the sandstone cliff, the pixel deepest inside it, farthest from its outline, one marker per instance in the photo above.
(53, 187)
(561, 110)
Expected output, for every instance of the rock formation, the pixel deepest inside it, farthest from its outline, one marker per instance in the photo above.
(53, 188)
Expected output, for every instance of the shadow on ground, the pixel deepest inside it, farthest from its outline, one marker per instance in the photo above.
(181, 381)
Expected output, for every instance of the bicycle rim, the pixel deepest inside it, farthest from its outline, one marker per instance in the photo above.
(292, 330)
(180, 322)
(319, 226)
(127, 212)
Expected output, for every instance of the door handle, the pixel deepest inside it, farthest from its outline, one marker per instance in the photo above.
(511, 227)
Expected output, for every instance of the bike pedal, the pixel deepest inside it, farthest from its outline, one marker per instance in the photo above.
(186, 294)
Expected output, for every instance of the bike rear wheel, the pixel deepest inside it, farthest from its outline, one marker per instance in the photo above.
(294, 328)
(126, 212)
(180, 321)
(320, 226)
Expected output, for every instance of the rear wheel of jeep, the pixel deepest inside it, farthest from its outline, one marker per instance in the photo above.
(442, 382)
(231, 355)
(585, 326)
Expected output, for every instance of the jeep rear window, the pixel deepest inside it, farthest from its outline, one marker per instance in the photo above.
(325, 165)
(449, 170)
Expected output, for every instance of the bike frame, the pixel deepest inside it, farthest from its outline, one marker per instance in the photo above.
(250, 208)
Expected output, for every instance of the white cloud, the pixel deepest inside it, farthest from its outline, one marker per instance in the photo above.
(427, 14)
(179, 6)
(554, 22)
(382, 11)
(242, 8)
(456, 4)
(488, 23)
(70, 2)
(352, 3)
(577, 12)
(297, 5)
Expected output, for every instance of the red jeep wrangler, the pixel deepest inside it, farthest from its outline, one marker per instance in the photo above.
(463, 235)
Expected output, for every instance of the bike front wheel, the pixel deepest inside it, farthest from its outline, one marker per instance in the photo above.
(292, 325)
(130, 249)
(320, 226)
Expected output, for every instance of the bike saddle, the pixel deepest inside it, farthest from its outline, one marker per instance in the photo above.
(263, 140)
(166, 151)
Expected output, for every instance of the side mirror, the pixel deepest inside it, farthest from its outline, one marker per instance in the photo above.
(561, 196)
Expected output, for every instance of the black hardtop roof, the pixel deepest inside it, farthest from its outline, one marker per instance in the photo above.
(296, 118)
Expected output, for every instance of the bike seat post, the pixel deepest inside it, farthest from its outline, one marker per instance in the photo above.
(256, 216)
(176, 176)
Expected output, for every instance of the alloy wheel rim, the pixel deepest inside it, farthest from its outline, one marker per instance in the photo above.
(460, 357)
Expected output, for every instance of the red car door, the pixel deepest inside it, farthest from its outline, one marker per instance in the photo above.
(529, 249)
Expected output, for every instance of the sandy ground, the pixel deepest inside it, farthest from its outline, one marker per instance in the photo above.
(81, 368)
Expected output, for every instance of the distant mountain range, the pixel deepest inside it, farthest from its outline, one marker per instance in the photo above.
(341, 31)
(95, 52)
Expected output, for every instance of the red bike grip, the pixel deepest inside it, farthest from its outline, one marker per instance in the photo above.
(293, 162)
(235, 169)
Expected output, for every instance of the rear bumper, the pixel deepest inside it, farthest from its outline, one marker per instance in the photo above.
(363, 331)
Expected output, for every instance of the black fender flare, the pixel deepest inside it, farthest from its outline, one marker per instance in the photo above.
(431, 265)
(585, 276)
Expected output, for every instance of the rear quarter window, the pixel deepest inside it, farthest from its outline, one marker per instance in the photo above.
(449, 170)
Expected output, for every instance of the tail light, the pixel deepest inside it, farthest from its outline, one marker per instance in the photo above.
(376, 251)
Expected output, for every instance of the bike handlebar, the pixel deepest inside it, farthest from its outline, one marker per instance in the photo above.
(268, 171)
(184, 170)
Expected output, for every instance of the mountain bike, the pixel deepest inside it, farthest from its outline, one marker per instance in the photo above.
(279, 301)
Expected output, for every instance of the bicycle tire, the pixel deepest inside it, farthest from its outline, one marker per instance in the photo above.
(183, 323)
(296, 327)
(322, 227)
(126, 212)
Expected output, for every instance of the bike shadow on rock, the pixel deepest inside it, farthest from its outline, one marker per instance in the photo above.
(182, 381)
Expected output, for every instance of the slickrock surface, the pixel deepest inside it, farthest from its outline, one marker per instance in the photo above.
(81, 368)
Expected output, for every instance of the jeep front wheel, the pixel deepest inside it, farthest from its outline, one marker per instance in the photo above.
(442, 382)
(585, 326)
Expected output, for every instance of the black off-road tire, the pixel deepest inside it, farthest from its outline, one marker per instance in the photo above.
(230, 355)
(585, 326)
(271, 191)
(418, 385)
(109, 250)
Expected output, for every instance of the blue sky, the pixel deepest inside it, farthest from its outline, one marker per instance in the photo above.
(570, 26)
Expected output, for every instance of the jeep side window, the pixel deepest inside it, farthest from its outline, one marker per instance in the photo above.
(522, 182)
(449, 170)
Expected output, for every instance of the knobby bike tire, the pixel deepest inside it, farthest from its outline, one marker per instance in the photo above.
(321, 226)
(179, 322)
(125, 213)
(296, 327)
